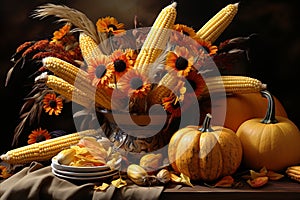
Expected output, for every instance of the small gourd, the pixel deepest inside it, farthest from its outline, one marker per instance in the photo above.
(270, 142)
(205, 153)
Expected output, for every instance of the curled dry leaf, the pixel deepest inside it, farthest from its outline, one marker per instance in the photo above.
(274, 175)
(181, 179)
(258, 182)
(102, 187)
(262, 173)
(118, 183)
(226, 181)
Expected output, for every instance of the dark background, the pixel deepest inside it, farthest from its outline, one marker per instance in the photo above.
(274, 57)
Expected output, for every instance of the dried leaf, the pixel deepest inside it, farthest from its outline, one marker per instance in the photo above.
(255, 174)
(175, 178)
(263, 170)
(226, 181)
(102, 187)
(118, 183)
(258, 182)
(274, 175)
(185, 180)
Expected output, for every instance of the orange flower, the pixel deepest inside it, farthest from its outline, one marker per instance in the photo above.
(207, 46)
(52, 104)
(133, 84)
(180, 61)
(100, 72)
(122, 62)
(171, 105)
(38, 135)
(194, 84)
(174, 105)
(4, 172)
(59, 34)
(184, 29)
(109, 25)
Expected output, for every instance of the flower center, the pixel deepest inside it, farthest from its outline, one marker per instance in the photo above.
(112, 26)
(100, 71)
(119, 65)
(40, 138)
(52, 103)
(181, 63)
(136, 83)
(176, 105)
(206, 49)
(185, 33)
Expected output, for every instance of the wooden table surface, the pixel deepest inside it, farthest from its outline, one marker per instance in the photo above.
(274, 190)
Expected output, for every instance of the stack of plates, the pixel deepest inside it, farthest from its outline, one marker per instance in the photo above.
(96, 173)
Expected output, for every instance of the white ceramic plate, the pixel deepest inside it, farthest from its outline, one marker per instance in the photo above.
(90, 178)
(83, 174)
(58, 166)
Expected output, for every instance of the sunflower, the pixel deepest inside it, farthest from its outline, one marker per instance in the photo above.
(180, 61)
(174, 105)
(100, 71)
(110, 26)
(184, 29)
(52, 104)
(133, 84)
(62, 32)
(182, 35)
(38, 135)
(207, 46)
(194, 84)
(122, 62)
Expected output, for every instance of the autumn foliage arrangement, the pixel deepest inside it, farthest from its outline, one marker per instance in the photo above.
(101, 68)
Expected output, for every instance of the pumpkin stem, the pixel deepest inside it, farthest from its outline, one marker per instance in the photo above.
(270, 115)
(206, 124)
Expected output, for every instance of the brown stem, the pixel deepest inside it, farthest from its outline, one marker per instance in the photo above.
(270, 114)
(206, 124)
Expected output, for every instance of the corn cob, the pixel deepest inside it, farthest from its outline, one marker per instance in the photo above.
(156, 39)
(68, 91)
(44, 150)
(233, 84)
(89, 48)
(164, 88)
(218, 23)
(72, 74)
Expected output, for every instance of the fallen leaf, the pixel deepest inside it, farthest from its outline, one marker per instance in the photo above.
(182, 179)
(118, 183)
(258, 182)
(274, 175)
(102, 187)
(226, 181)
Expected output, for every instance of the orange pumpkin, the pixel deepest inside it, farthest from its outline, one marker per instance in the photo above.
(239, 108)
(205, 153)
(269, 142)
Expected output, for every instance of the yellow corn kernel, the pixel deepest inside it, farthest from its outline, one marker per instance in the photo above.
(78, 78)
(218, 23)
(164, 88)
(156, 39)
(89, 48)
(45, 150)
(68, 91)
(233, 84)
